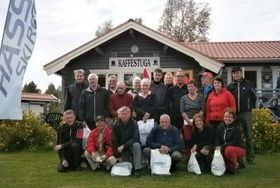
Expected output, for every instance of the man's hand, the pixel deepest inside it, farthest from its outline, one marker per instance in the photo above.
(194, 148)
(120, 149)
(65, 163)
(58, 147)
(164, 149)
(146, 116)
(93, 155)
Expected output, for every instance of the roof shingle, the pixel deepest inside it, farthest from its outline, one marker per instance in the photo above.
(38, 97)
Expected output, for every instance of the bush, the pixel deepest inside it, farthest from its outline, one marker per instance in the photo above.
(266, 131)
(29, 133)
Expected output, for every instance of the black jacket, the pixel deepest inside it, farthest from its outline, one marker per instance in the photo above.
(174, 98)
(229, 135)
(244, 94)
(67, 134)
(93, 103)
(204, 138)
(125, 135)
(73, 93)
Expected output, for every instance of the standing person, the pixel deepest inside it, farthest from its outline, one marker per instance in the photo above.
(120, 99)
(113, 79)
(145, 103)
(168, 79)
(161, 91)
(99, 148)
(218, 100)
(229, 140)
(69, 143)
(244, 93)
(136, 87)
(73, 92)
(202, 142)
(207, 83)
(175, 94)
(93, 101)
(191, 104)
(167, 139)
(126, 139)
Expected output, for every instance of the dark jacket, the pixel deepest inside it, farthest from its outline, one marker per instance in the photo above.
(244, 94)
(229, 135)
(73, 93)
(161, 91)
(204, 138)
(125, 134)
(175, 94)
(68, 134)
(142, 105)
(170, 138)
(93, 103)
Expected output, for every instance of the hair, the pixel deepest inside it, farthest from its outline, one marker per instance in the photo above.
(219, 79)
(165, 116)
(158, 70)
(113, 76)
(121, 82)
(230, 111)
(68, 112)
(123, 109)
(192, 82)
(79, 71)
(135, 79)
(146, 80)
(93, 75)
(168, 74)
(198, 115)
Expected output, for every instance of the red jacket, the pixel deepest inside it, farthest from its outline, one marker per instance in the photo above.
(217, 103)
(118, 101)
(93, 144)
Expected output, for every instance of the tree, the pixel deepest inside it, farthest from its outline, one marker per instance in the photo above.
(104, 28)
(31, 87)
(185, 20)
(54, 107)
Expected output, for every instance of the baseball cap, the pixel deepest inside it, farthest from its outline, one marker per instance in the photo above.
(207, 74)
(100, 118)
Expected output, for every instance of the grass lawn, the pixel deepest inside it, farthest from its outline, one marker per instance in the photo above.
(38, 169)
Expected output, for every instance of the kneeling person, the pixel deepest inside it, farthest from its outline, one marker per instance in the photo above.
(99, 149)
(167, 139)
(69, 142)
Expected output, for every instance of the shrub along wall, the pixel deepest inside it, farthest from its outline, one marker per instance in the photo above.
(266, 131)
(29, 133)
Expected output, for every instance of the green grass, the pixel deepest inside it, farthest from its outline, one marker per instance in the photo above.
(38, 169)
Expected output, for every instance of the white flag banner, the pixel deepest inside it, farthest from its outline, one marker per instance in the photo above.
(17, 45)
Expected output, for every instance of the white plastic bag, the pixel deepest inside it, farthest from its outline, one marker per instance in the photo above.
(193, 165)
(121, 169)
(86, 132)
(218, 166)
(145, 128)
(160, 163)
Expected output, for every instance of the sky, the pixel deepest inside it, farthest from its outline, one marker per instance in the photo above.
(66, 24)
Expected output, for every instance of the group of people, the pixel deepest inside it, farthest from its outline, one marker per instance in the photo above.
(186, 117)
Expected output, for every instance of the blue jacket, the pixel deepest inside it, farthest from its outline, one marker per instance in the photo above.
(170, 138)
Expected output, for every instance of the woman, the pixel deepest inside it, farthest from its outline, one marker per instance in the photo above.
(145, 102)
(168, 79)
(202, 142)
(191, 104)
(136, 87)
(229, 140)
(218, 100)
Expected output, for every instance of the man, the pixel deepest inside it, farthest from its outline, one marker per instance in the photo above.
(161, 92)
(167, 139)
(99, 149)
(126, 139)
(93, 101)
(112, 84)
(245, 98)
(207, 83)
(175, 94)
(73, 92)
(120, 99)
(69, 143)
